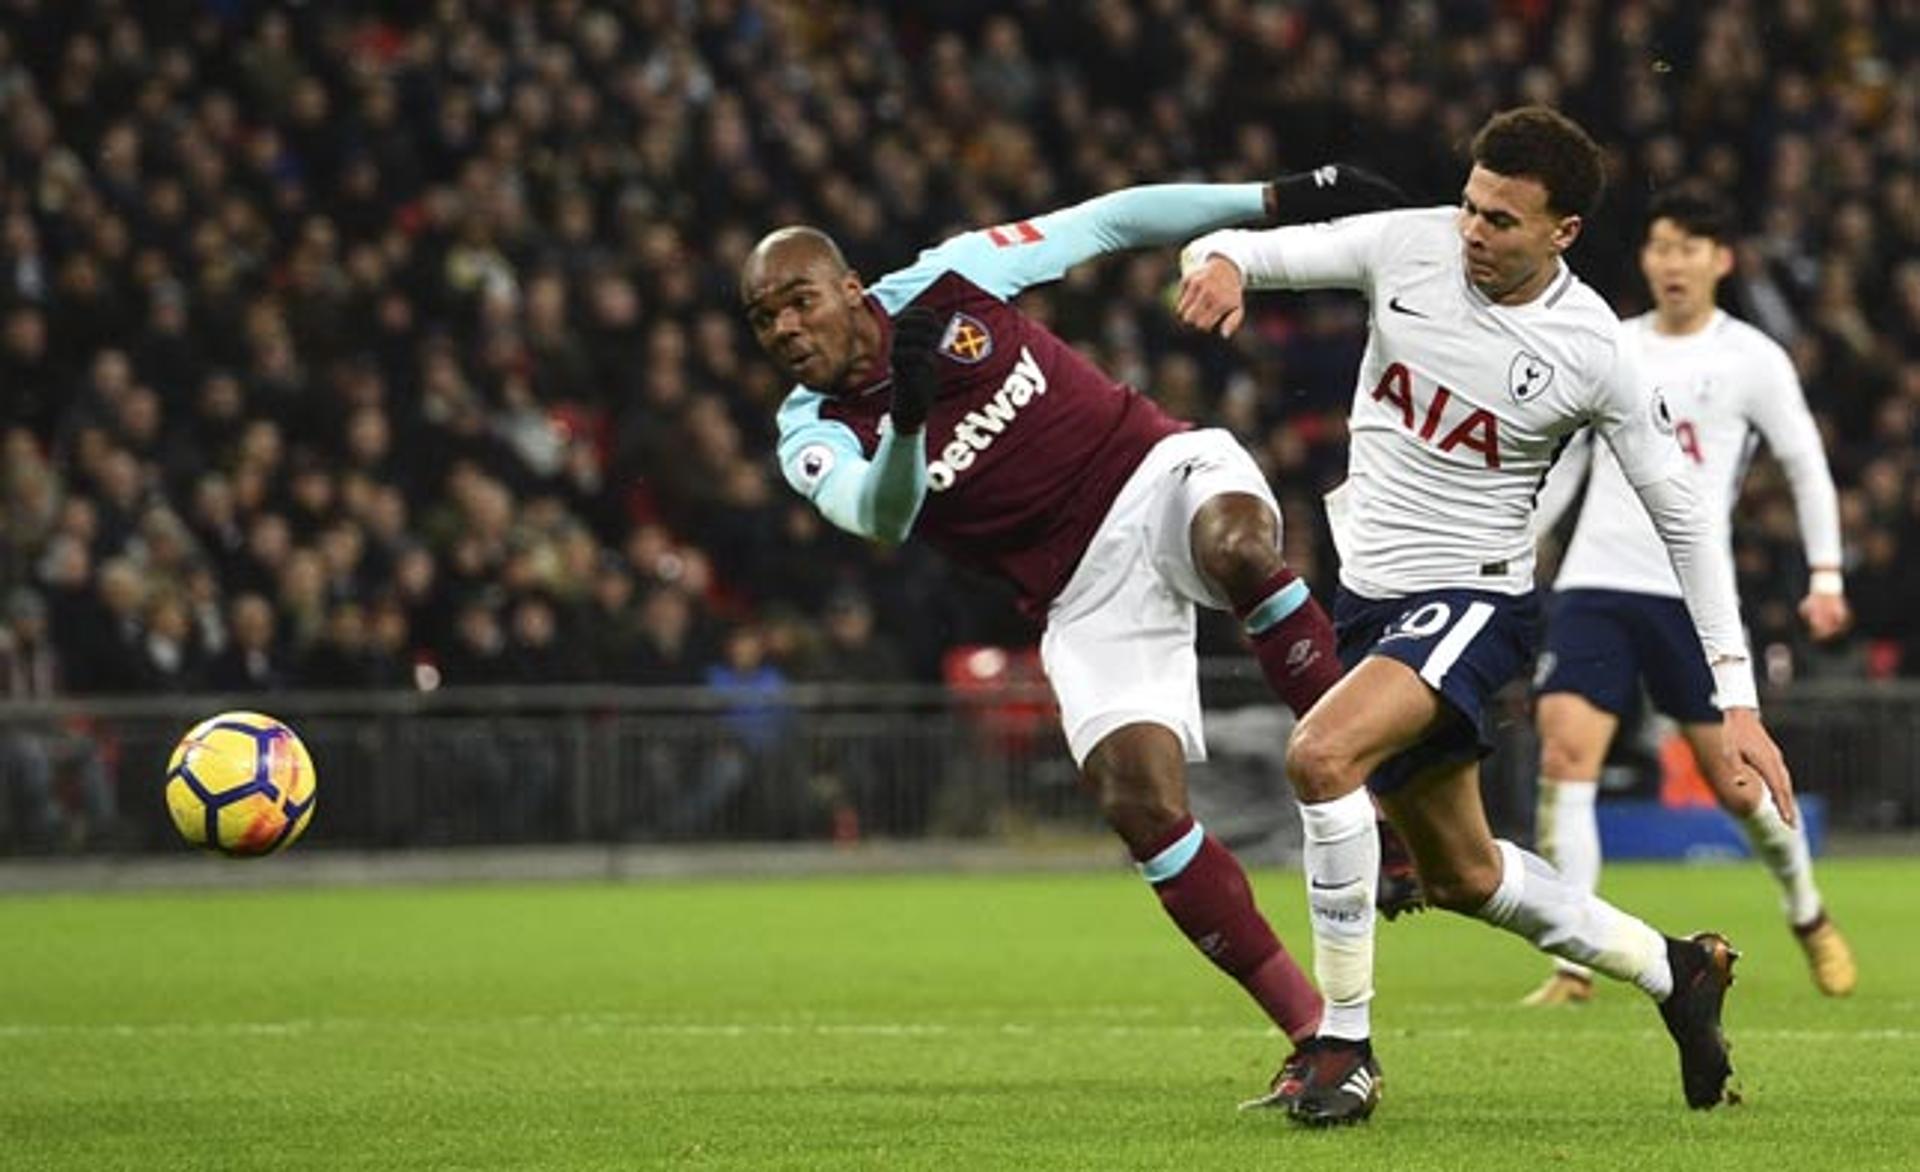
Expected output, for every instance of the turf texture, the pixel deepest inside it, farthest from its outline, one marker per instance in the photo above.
(900, 1022)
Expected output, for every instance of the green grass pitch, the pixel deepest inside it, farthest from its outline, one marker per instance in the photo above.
(939, 1022)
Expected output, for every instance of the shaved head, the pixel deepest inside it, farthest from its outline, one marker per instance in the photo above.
(796, 247)
(808, 309)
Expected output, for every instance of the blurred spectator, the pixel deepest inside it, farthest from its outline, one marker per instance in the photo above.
(479, 651)
(751, 686)
(113, 645)
(751, 756)
(537, 651)
(854, 650)
(668, 649)
(35, 755)
(251, 660)
(607, 623)
(342, 657)
(171, 655)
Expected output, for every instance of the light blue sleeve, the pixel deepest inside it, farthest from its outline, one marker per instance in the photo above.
(1008, 258)
(821, 458)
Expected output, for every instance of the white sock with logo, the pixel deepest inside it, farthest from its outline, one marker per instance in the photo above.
(1342, 861)
(1567, 833)
(1534, 902)
(1785, 851)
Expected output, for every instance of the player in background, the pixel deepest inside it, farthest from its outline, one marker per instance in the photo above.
(929, 406)
(1617, 618)
(1484, 354)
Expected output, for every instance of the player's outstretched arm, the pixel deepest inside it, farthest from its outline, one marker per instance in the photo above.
(1639, 428)
(1779, 409)
(1331, 192)
(1008, 258)
(1706, 580)
(1218, 268)
(1011, 257)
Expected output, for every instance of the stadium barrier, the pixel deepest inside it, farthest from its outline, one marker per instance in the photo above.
(812, 763)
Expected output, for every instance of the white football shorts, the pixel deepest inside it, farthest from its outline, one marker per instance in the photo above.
(1118, 647)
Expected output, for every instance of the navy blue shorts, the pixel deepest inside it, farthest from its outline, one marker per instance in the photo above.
(1466, 644)
(1602, 643)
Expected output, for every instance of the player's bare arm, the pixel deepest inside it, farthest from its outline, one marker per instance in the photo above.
(1706, 581)
(1213, 287)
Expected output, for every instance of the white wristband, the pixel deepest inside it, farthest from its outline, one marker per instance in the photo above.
(1733, 685)
(1826, 582)
(1205, 249)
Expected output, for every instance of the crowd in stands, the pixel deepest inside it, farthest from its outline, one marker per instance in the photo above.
(371, 344)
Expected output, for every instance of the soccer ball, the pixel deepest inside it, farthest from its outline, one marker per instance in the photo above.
(240, 783)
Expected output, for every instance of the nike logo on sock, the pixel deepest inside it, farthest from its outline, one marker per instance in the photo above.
(1319, 886)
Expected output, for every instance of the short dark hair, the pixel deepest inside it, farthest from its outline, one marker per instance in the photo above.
(1698, 209)
(1539, 143)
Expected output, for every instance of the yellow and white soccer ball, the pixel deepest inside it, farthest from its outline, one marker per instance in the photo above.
(240, 783)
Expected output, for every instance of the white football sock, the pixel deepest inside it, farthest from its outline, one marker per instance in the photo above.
(1784, 850)
(1567, 834)
(1534, 902)
(1342, 860)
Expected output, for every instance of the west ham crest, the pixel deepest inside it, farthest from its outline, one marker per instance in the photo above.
(1528, 376)
(966, 340)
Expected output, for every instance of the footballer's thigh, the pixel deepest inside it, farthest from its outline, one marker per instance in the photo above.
(1378, 710)
(1118, 645)
(1574, 735)
(1444, 823)
(1424, 667)
(1588, 676)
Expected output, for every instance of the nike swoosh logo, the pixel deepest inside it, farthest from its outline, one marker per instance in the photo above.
(1319, 886)
(1393, 303)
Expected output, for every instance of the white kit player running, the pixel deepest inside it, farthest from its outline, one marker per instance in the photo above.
(1484, 355)
(1617, 619)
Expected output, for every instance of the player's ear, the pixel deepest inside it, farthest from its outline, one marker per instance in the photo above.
(852, 288)
(1566, 232)
(1722, 260)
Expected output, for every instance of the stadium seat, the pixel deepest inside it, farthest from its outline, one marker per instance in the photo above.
(1003, 693)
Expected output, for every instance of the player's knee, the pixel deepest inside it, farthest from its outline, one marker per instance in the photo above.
(1317, 768)
(1239, 552)
(1561, 757)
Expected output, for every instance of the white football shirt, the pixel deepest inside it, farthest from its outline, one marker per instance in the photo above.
(1462, 406)
(1727, 385)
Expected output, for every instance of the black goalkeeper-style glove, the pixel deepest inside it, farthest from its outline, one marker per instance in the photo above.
(1332, 191)
(916, 374)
